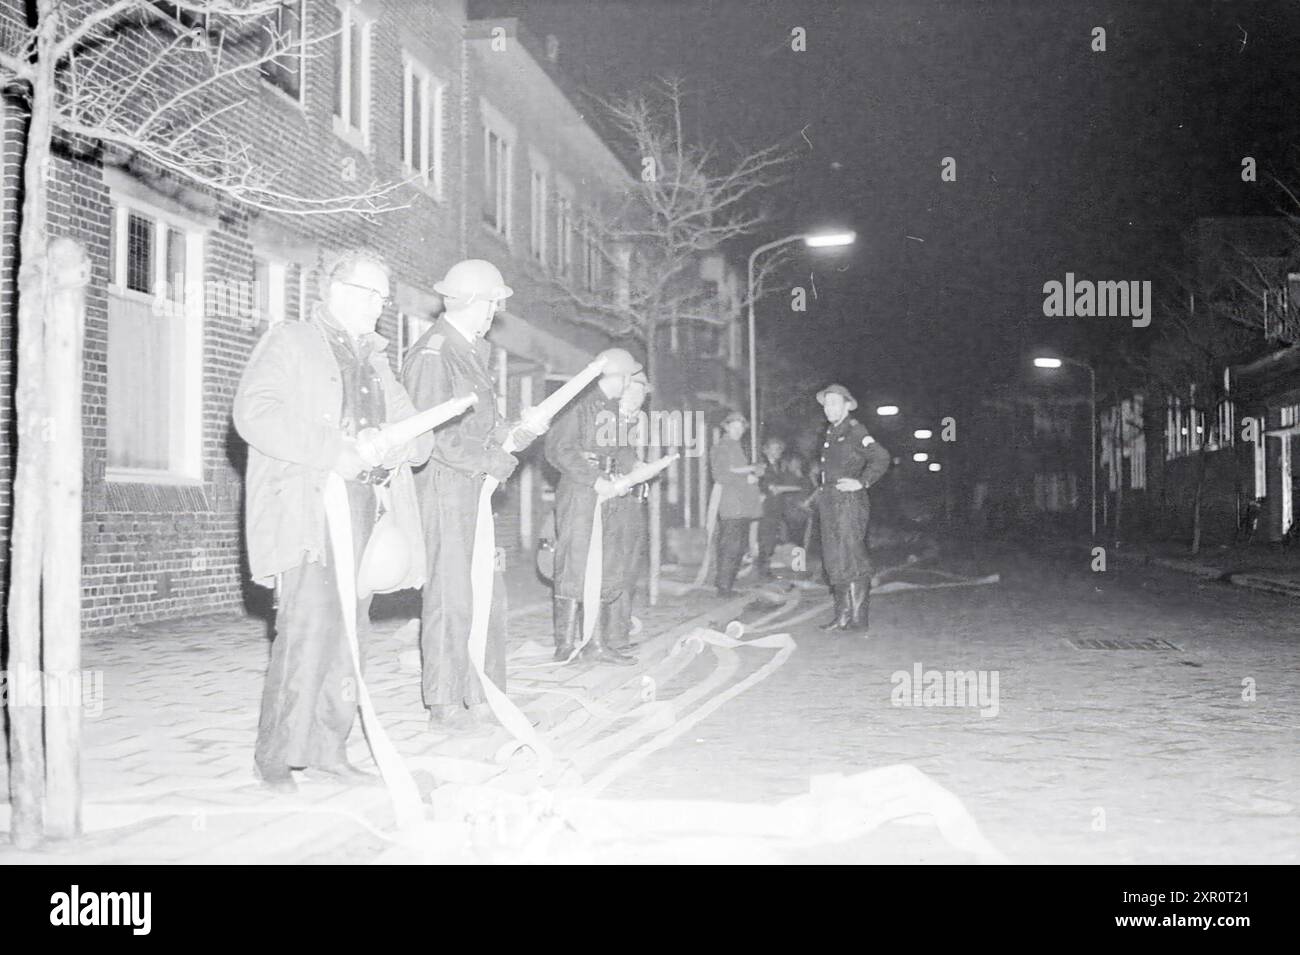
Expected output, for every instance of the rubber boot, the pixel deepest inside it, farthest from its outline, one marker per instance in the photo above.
(598, 650)
(843, 611)
(566, 627)
(727, 577)
(617, 622)
(859, 598)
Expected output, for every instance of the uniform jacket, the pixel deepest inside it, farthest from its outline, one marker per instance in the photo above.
(740, 498)
(288, 408)
(584, 444)
(586, 434)
(443, 365)
(849, 451)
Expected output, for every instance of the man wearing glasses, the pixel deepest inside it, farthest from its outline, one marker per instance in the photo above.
(309, 388)
(450, 360)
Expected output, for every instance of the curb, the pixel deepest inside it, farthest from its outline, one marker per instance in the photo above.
(1251, 581)
(1270, 585)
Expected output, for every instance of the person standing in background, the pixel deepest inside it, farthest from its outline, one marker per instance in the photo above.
(741, 502)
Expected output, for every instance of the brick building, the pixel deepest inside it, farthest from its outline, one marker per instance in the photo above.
(495, 161)
(1154, 447)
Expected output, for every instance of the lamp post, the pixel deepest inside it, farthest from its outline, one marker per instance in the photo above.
(1045, 362)
(813, 241)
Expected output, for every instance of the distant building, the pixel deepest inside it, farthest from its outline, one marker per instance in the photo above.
(1023, 461)
(1153, 462)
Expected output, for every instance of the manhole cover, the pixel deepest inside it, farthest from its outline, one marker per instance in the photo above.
(1084, 643)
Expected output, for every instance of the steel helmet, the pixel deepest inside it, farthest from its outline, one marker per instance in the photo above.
(840, 390)
(473, 280)
(386, 562)
(619, 361)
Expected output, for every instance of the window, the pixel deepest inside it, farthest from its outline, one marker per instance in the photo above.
(422, 123)
(352, 94)
(155, 348)
(409, 329)
(1290, 414)
(563, 228)
(538, 186)
(496, 182)
(287, 71)
(269, 290)
(592, 263)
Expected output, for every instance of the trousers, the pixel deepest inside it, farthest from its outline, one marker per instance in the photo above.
(449, 509)
(309, 699)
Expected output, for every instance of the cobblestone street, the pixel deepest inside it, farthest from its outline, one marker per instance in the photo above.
(1101, 756)
(1086, 755)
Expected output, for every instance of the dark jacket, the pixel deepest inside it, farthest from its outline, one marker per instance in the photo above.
(442, 365)
(849, 451)
(288, 408)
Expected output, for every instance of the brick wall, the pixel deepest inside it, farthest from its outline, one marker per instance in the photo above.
(157, 551)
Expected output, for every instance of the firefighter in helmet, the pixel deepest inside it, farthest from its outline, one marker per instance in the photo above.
(448, 361)
(583, 445)
(851, 461)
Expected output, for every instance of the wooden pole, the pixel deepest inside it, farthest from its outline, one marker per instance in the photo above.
(27, 545)
(68, 275)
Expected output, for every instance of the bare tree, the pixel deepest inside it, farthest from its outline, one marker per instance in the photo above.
(686, 201)
(1201, 333)
(160, 85)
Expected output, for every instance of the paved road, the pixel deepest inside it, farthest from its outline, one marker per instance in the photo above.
(1092, 756)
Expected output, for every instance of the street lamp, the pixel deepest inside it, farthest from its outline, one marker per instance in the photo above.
(922, 434)
(1046, 362)
(920, 457)
(934, 466)
(886, 411)
(820, 240)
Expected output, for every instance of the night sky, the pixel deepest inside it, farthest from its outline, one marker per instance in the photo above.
(1067, 159)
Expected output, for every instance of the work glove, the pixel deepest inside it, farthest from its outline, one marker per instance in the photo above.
(501, 464)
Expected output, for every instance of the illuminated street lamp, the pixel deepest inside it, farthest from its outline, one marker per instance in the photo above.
(829, 239)
(819, 240)
(1048, 362)
(886, 411)
(920, 456)
(934, 466)
(922, 433)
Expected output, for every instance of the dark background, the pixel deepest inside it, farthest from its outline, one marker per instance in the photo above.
(1067, 159)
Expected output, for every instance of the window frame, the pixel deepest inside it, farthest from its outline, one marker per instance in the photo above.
(299, 99)
(539, 204)
(277, 290)
(433, 89)
(564, 221)
(186, 448)
(494, 124)
(358, 136)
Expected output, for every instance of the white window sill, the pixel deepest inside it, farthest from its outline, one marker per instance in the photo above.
(353, 137)
(146, 476)
(425, 184)
(275, 92)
